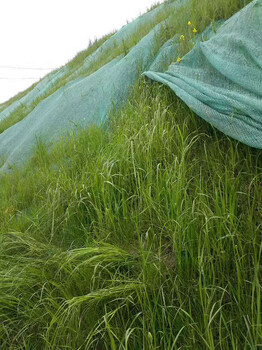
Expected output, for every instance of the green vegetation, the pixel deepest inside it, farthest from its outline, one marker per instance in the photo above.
(16, 116)
(146, 235)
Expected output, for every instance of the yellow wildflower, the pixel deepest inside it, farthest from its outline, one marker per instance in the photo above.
(179, 59)
(182, 37)
(189, 23)
(195, 31)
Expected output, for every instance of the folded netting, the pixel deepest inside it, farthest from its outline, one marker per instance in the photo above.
(221, 78)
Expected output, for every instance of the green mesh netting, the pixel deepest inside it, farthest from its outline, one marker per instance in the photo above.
(220, 79)
(85, 100)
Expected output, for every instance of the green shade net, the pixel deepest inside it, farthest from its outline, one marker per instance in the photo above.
(221, 79)
(87, 100)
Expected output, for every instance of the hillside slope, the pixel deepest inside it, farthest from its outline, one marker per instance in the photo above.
(145, 234)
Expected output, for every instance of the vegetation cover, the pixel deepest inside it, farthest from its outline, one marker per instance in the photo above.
(143, 235)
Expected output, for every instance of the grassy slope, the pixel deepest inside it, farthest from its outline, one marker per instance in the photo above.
(146, 236)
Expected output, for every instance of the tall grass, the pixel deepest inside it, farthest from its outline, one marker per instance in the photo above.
(146, 235)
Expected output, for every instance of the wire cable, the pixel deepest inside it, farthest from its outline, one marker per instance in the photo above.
(24, 78)
(25, 68)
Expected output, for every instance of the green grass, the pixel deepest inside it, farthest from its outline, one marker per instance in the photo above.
(146, 235)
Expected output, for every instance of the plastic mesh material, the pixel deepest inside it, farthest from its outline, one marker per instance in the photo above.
(221, 79)
(85, 100)
(115, 40)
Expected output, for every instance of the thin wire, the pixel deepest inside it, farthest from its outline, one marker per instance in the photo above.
(29, 78)
(28, 68)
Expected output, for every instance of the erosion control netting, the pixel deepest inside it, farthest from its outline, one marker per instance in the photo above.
(220, 79)
(86, 100)
(46, 84)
